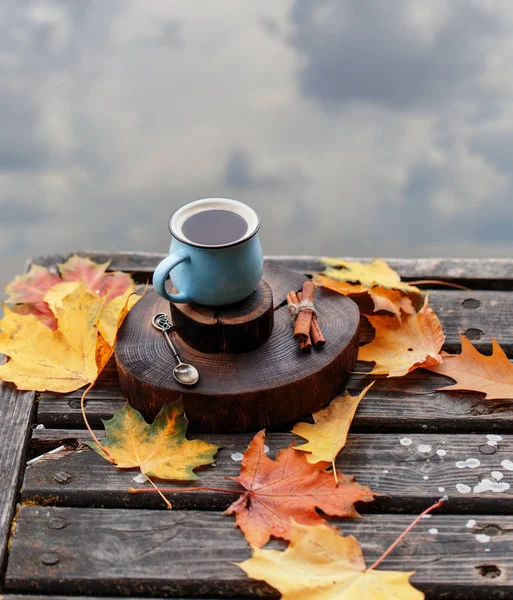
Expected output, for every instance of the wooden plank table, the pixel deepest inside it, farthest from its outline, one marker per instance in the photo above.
(69, 527)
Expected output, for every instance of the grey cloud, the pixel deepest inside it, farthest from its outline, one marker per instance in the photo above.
(496, 147)
(302, 213)
(420, 222)
(169, 34)
(417, 217)
(270, 26)
(20, 149)
(239, 174)
(20, 213)
(30, 61)
(369, 51)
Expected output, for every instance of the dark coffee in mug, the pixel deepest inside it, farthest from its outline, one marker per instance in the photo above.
(214, 227)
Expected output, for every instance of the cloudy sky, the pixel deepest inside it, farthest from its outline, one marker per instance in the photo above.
(355, 127)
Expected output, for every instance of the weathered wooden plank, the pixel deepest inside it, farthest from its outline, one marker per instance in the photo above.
(405, 404)
(95, 551)
(413, 404)
(412, 475)
(45, 597)
(142, 262)
(16, 414)
(65, 412)
(477, 273)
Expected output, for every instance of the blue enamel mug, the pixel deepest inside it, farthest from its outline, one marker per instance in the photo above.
(215, 257)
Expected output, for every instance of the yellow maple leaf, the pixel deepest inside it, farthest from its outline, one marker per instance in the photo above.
(61, 361)
(160, 449)
(375, 273)
(320, 564)
(399, 348)
(392, 301)
(475, 372)
(113, 313)
(328, 435)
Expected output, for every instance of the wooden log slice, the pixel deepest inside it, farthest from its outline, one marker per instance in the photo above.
(240, 327)
(272, 385)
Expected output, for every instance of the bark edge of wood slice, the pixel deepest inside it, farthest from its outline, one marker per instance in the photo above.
(236, 328)
(273, 385)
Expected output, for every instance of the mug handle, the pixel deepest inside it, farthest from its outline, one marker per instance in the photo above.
(162, 272)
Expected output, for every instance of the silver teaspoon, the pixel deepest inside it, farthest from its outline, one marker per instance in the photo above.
(183, 373)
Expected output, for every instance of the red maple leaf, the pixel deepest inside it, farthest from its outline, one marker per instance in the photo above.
(289, 487)
(28, 291)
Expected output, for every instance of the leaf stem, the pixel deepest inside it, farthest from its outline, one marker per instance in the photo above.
(438, 282)
(185, 489)
(168, 504)
(335, 468)
(406, 531)
(82, 408)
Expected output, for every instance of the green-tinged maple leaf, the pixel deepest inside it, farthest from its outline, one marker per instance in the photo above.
(160, 449)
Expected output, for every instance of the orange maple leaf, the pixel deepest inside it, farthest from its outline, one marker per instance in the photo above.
(475, 372)
(399, 348)
(289, 487)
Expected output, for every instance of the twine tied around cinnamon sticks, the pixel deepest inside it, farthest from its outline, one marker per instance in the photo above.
(295, 309)
(304, 314)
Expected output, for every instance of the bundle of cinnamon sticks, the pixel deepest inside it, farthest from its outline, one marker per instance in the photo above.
(306, 326)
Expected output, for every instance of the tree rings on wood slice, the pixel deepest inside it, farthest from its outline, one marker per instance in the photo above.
(275, 384)
(239, 327)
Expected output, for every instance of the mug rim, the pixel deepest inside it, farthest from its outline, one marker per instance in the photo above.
(184, 240)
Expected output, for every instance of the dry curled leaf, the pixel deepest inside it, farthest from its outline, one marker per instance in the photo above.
(289, 487)
(392, 301)
(321, 564)
(375, 273)
(475, 372)
(328, 435)
(160, 449)
(399, 348)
